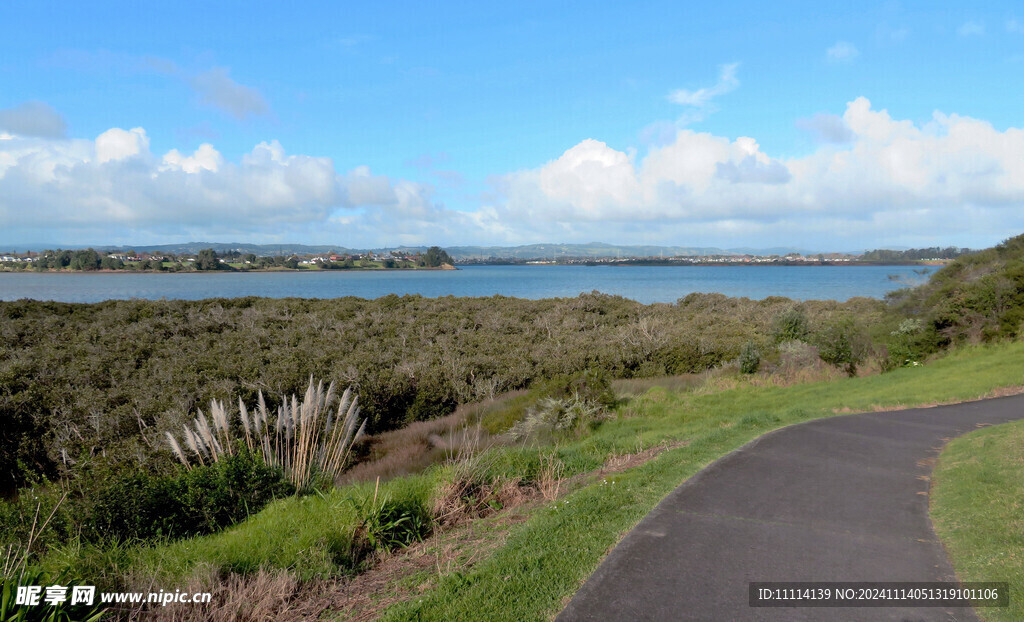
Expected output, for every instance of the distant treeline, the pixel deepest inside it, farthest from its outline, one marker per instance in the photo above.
(914, 254)
(208, 259)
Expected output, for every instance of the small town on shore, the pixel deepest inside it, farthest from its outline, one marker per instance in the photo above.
(434, 257)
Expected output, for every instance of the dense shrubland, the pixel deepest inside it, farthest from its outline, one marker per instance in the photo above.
(103, 382)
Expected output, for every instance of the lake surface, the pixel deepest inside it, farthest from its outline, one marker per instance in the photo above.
(643, 283)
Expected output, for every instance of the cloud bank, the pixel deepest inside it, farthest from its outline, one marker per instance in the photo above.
(871, 178)
(116, 182)
(872, 173)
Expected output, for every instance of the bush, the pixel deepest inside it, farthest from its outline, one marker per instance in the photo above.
(202, 500)
(907, 345)
(791, 325)
(554, 415)
(302, 439)
(386, 524)
(120, 372)
(750, 358)
(590, 385)
(842, 345)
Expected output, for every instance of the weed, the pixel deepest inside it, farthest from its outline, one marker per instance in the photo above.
(553, 415)
(386, 524)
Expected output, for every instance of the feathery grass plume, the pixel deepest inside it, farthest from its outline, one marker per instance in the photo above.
(306, 439)
(220, 426)
(193, 444)
(176, 448)
(243, 414)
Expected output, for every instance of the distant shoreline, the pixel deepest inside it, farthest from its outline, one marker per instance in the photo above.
(251, 271)
(588, 264)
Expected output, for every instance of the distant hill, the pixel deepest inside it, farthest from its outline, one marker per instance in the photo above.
(523, 252)
(781, 251)
(529, 251)
(592, 249)
(191, 248)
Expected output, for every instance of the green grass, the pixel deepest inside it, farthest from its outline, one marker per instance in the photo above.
(312, 535)
(977, 505)
(547, 558)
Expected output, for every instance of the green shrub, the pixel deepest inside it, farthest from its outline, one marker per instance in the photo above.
(590, 385)
(791, 325)
(908, 344)
(201, 500)
(388, 524)
(750, 358)
(842, 345)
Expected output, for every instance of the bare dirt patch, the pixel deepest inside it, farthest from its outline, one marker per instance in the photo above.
(622, 462)
(401, 575)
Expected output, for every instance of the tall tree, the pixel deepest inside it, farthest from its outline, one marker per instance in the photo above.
(436, 256)
(207, 260)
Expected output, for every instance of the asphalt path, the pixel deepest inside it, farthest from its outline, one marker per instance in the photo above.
(837, 499)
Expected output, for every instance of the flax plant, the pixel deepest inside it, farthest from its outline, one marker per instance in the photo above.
(304, 438)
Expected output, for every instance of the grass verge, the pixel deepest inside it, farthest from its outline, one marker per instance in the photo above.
(977, 506)
(545, 560)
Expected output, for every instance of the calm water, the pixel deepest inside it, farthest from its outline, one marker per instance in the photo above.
(643, 283)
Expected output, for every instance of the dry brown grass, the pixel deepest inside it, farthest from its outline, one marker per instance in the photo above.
(632, 387)
(549, 477)
(621, 462)
(393, 579)
(263, 596)
(418, 445)
(464, 498)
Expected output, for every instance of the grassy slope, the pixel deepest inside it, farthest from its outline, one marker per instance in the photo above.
(546, 560)
(977, 505)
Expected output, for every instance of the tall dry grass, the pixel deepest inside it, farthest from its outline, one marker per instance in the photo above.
(305, 439)
(413, 448)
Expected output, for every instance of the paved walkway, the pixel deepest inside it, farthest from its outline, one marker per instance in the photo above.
(839, 499)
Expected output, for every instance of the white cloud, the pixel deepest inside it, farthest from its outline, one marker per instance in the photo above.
(970, 29)
(33, 119)
(871, 176)
(842, 52)
(205, 158)
(883, 172)
(216, 88)
(700, 98)
(1013, 25)
(115, 183)
(118, 144)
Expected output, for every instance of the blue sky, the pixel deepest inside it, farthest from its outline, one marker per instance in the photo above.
(724, 124)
